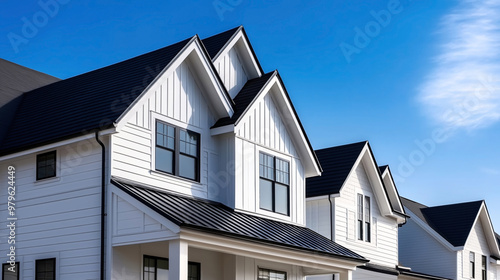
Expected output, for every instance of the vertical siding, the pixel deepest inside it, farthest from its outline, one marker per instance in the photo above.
(232, 72)
(179, 98)
(318, 216)
(57, 217)
(423, 253)
(383, 248)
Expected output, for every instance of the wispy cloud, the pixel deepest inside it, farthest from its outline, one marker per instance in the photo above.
(462, 89)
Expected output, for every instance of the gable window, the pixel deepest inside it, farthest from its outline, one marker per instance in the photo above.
(45, 269)
(274, 184)
(177, 151)
(472, 265)
(484, 268)
(46, 165)
(364, 218)
(9, 272)
(268, 274)
(156, 268)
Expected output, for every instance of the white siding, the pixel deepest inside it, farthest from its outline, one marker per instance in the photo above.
(178, 100)
(383, 248)
(478, 244)
(231, 71)
(318, 216)
(262, 130)
(423, 253)
(57, 217)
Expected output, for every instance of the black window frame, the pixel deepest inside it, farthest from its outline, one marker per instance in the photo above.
(274, 181)
(270, 271)
(177, 153)
(39, 158)
(8, 264)
(368, 217)
(484, 267)
(360, 205)
(472, 265)
(364, 217)
(190, 277)
(37, 265)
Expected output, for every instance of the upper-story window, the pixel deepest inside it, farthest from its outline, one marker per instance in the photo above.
(177, 151)
(46, 165)
(274, 184)
(484, 268)
(45, 269)
(472, 265)
(364, 218)
(10, 272)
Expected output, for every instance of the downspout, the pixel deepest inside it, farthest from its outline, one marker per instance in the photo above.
(331, 225)
(103, 201)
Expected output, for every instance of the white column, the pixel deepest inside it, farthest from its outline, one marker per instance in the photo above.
(347, 275)
(177, 259)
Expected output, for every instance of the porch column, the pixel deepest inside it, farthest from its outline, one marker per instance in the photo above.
(178, 259)
(347, 275)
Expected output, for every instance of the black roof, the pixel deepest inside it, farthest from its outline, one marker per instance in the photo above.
(213, 217)
(399, 271)
(498, 238)
(383, 168)
(336, 162)
(84, 103)
(245, 97)
(453, 222)
(215, 43)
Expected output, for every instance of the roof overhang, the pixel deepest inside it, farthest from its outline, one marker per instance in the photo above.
(489, 233)
(392, 192)
(239, 41)
(195, 54)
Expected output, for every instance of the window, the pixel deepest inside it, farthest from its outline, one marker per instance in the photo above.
(267, 274)
(177, 151)
(274, 184)
(10, 272)
(472, 265)
(156, 268)
(45, 269)
(46, 165)
(367, 220)
(484, 268)
(360, 217)
(364, 218)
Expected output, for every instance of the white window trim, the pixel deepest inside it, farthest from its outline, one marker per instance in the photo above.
(363, 240)
(273, 266)
(58, 168)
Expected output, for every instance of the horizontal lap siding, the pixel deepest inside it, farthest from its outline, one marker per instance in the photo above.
(478, 244)
(58, 217)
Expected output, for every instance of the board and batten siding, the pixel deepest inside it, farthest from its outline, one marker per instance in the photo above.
(318, 216)
(262, 130)
(422, 252)
(57, 217)
(478, 244)
(383, 248)
(178, 100)
(231, 72)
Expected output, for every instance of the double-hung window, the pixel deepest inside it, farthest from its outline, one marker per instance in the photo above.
(177, 151)
(156, 268)
(274, 184)
(364, 218)
(268, 274)
(10, 272)
(472, 265)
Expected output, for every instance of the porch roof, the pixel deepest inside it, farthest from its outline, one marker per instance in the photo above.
(213, 217)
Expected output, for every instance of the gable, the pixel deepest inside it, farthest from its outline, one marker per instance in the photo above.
(477, 240)
(232, 71)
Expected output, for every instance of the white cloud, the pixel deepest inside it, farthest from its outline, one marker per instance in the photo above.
(462, 89)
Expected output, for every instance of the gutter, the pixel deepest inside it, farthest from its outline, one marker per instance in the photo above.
(103, 202)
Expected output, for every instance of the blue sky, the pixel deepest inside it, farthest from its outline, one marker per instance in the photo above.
(418, 79)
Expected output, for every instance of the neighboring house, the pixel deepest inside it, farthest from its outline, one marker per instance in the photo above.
(188, 162)
(356, 204)
(455, 240)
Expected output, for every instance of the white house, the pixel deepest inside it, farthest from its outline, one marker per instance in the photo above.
(188, 162)
(455, 240)
(356, 204)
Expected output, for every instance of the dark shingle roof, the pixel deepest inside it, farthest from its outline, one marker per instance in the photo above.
(214, 44)
(245, 97)
(219, 219)
(90, 101)
(336, 162)
(453, 222)
(383, 168)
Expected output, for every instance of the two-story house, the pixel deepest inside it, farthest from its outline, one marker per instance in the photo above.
(455, 240)
(188, 162)
(356, 204)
